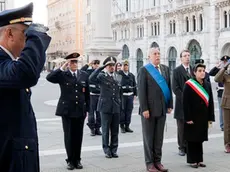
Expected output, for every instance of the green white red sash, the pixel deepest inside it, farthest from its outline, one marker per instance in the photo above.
(199, 90)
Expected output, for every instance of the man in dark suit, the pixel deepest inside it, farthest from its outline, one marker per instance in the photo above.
(94, 122)
(109, 105)
(181, 74)
(22, 57)
(72, 106)
(155, 97)
(129, 89)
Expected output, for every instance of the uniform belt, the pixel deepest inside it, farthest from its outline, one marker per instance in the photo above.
(125, 87)
(92, 86)
(128, 94)
(219, 88)
(94, 94)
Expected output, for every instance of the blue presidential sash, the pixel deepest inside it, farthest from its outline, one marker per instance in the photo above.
(160, 80)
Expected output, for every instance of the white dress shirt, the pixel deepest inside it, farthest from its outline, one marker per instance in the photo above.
(7, 52)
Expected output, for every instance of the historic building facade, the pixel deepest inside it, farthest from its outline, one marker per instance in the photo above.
(65, 24)
(202, 26)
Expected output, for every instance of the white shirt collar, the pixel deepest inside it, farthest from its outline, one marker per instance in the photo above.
(126, 73)
(7, 52)
(73, 72)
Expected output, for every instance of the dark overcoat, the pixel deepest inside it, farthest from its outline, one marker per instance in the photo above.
(74, 98)
(180, 76)
(18, 129)
(197, 111)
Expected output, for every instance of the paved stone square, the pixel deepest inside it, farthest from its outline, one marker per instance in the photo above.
(52, 153)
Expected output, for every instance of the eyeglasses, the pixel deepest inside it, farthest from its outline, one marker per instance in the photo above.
(74, 61)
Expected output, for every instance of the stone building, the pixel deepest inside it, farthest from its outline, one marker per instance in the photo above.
(202, 26)
(65, 24)
(6, 4)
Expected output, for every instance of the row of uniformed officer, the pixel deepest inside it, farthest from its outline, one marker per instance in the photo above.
(129, 90)
(72, 106)
(94, 121)
(22, 57)
(109, 105)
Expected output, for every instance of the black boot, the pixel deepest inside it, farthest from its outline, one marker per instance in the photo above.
(122, 128)
(92, 132)
(98, 132)
(128, 130)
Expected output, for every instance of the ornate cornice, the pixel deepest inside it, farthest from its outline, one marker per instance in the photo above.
(222, 4)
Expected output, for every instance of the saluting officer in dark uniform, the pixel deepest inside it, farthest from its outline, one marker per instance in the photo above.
(129, 90)
(94, 88)
(72, 106)
(109, 105)
(22, 57)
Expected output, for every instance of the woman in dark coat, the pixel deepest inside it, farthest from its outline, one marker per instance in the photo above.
(198, 112)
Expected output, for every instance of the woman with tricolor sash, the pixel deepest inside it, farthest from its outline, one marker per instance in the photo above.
(198, 113)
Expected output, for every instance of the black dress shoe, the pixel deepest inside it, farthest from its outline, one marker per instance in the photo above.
(108, 155)
(128, 130)
(194, 165)
(114, 155)
(78, 165)
(181, 153)
(92, 132)
(201, 165)
(98, 132)
(70, 166)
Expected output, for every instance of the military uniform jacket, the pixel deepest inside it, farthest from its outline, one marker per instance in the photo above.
(74, 99)
(18, 130)
(223, 77)
(128, 83)
(94, 87)
(110, 89)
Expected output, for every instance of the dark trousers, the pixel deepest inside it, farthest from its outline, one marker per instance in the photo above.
(194, 152)
(94, 122)
(180, 135)
(110, 125)
(153, 135)
(73, 133)
(127, 111)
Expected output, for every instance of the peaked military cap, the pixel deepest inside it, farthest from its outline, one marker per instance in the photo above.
(110, 60)
(96, 62)
(126, 62)
(21, 15)
(199, 61)
(73, 55)
(225, 58)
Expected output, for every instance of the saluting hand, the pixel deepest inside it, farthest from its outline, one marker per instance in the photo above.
(169, 110)
(146, 114)
(190, 122)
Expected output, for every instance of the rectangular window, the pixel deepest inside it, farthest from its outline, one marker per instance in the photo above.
(127, 5)
(88, 18)
(88, 2)
(2, 5)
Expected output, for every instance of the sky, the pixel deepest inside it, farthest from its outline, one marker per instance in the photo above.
(40, 10)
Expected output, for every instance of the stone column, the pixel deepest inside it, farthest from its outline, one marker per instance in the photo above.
(102, 44)
(145, 50)
(211, 57)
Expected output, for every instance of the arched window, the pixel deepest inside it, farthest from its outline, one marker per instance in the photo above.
(225, 19)
(187, 24)
(194, 23)
(174, 27)
(201, 22)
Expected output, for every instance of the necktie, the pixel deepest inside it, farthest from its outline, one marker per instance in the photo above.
(74, 76)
